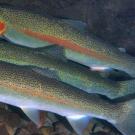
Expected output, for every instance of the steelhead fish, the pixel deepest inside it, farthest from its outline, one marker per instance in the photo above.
(65, 71)
(24, 88)
(33, 30)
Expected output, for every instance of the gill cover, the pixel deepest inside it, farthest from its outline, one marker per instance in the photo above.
(2, 28)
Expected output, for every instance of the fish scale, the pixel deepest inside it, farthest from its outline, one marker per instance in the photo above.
(22, 87)
(79, 47)
(22, 80)
(65, 71)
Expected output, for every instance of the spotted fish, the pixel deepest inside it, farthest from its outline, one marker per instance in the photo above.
(65, 71)
(24, 88)
(33, 30)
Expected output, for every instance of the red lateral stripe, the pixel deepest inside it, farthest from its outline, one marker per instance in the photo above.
(66, 43)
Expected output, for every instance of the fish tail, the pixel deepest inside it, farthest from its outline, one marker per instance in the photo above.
(126, 121)
(126, 88)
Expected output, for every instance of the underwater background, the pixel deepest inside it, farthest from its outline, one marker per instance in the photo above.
(112, 21)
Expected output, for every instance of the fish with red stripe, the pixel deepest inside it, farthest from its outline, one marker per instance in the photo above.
(33, 30)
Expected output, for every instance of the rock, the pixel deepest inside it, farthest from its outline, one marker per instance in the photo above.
(3, 130)
(31, 128)
(96, 126)
(100, 133)
(59, 128)
(46, 130)
(22, 131)
(13, 120)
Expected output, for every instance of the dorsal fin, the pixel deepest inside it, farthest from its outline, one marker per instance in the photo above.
(81, 26)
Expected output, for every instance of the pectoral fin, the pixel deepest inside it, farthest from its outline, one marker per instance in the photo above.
(51, 73)
(22, 39)
(79, 123)
(37, 116)
(53, 51)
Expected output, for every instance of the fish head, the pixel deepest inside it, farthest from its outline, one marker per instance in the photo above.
(5, 21)
(2, 27)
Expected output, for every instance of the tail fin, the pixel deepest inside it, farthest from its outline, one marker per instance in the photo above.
(126, 122)
(126, 88)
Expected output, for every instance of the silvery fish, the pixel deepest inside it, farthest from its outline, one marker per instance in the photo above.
(33, 30)
(65, 71)
(24, 88)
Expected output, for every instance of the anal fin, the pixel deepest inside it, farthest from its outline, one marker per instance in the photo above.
(37, 116)
(79, 123)
(54, 51)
